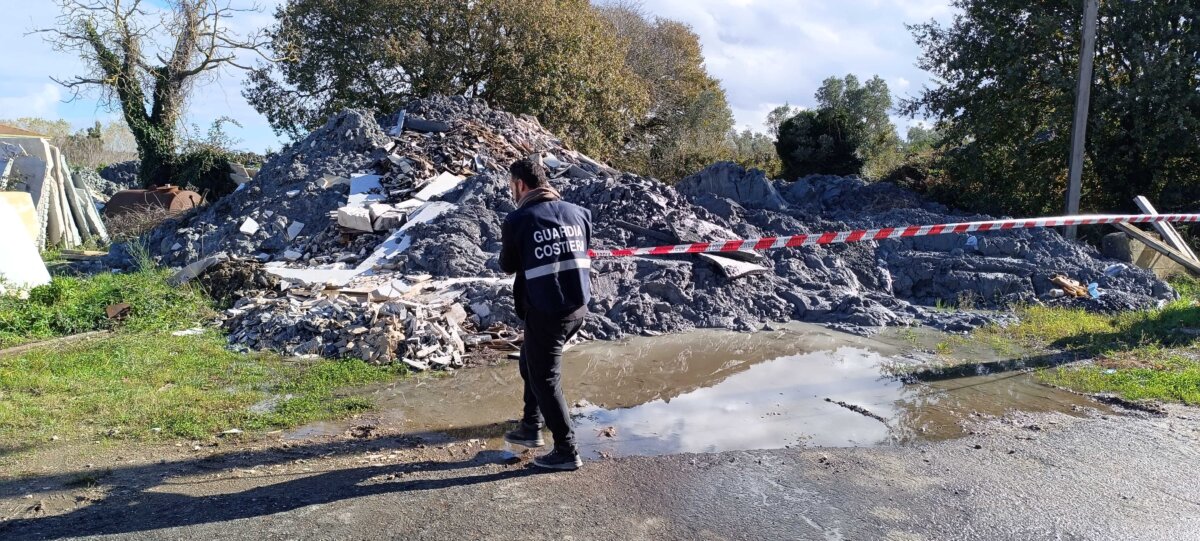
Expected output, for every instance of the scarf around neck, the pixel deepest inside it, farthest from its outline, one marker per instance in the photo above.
(545, 193)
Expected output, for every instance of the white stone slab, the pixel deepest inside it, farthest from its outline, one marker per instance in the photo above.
(410, 204)
(249, 227)
(353, 217)
(21, 267)
(366, 189)
(390, 290)
(440, 185)
(294, 230)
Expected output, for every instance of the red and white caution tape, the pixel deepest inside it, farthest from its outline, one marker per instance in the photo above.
(860, 235)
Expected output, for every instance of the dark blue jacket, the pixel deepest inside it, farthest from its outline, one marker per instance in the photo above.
(545, 242)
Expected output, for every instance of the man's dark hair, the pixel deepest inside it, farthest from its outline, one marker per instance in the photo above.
(530, 173)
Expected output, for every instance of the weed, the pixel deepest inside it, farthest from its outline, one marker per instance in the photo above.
(127, 385)
(1140, 354)
(70, 305)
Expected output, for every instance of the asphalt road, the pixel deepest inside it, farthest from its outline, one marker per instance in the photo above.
(1045, 476)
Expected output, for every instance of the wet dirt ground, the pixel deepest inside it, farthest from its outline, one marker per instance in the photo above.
(712, 391)
(984, 457)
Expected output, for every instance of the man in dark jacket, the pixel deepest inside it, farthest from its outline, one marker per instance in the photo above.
(545, 243)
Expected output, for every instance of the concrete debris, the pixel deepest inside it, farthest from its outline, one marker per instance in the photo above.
(249, 227)
(21, 268)
(440, 184)
(196, 268)
(294, 230)
(65, 205)
(116, 177)
(341, 326)
(357, 218)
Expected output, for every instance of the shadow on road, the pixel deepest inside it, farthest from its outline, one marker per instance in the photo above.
(140, 498)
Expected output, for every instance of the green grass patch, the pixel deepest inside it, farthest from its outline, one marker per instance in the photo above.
(127, 385)
(70, 305)
(1171, 378)
(1149, 354)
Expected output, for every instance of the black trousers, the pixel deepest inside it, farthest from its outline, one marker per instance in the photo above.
(541, 368)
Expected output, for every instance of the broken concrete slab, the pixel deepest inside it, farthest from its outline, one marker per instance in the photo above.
(385, 217)
(329, 181)
(399, 241)
(249, 227)
(391, 290)
(294, 230)
(20, 204)
(357, 218)
(365, 189)
(21, 268)
(732, 268)
(397, 129)
(190, 272)
(438, 186)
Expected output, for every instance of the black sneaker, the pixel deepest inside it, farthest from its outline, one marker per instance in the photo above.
(559, 460)
(525, 436)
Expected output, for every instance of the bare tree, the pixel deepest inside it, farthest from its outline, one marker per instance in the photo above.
(146, 59)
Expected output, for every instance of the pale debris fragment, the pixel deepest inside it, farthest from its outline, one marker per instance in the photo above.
(294, 230)
(249, 227)
(357, 218)
(438, 186)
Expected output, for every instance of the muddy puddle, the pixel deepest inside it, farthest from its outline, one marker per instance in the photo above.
(709, 391)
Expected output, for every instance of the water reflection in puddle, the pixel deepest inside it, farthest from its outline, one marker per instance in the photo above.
(715, 391)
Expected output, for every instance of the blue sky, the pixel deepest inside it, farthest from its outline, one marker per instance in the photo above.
(765, 52)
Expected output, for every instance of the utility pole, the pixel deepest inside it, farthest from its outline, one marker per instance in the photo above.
(1083, 94)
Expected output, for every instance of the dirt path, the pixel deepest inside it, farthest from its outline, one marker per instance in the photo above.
(1029, 476)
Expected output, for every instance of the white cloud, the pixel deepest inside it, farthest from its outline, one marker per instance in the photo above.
(769, 52)
(38, 102)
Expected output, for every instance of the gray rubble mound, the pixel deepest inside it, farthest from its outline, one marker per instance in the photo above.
(116, 177)
(288, 189)
(425, 288)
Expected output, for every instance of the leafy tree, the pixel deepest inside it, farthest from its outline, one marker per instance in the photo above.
(921, 138)
(1009, 73)
(778, 116)
(688, 117)
(849, 133)
(117, 41)
(556, 59)
(816, 142)
(861, 112)
(757, 150)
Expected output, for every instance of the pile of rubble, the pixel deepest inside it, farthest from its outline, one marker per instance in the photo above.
(114, 178)
(385, 244)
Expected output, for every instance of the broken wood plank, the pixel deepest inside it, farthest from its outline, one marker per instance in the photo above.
(1167, 230)
(1160, 247)
(81, 255)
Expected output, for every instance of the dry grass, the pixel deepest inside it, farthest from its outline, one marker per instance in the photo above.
(131, 225)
